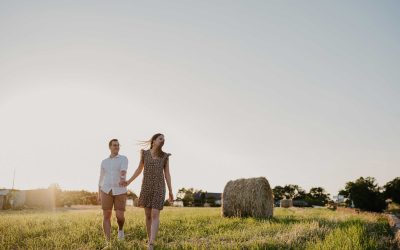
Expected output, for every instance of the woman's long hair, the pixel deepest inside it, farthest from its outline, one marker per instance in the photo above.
(149, 143)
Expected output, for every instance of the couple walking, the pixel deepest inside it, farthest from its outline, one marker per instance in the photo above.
(113, 191)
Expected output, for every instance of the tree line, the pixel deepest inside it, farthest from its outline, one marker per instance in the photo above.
(362, 193)
(367, 195)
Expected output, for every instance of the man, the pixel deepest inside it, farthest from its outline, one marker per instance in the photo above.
(112, 171)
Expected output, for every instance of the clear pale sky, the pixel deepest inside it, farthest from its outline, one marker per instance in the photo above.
(303, 93)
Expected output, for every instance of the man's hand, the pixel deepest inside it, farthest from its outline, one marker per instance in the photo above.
(99, 198)
(122, 179)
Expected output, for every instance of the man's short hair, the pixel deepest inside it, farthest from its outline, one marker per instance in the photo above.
(110, 143)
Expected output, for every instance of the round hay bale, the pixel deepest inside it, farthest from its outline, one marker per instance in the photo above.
(248, 198)
(286, 203)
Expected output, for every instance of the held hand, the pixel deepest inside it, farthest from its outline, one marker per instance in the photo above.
(123, 183)
(99, 198)
(171, 197)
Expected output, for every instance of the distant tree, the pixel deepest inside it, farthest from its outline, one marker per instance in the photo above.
(186, 196)
(289, 191)
(392, 190)
(301, 194)
(317, 196)
(279, 193)
(344, 192)
(81, 197)
(199, 198)
(294, 192)
(365, 194)
(203, 197)
(211, 200)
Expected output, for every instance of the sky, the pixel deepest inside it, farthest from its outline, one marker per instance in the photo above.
(304, 93)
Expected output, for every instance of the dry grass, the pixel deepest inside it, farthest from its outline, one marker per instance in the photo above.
(198, 228)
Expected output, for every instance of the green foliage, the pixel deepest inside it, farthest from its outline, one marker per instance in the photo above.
(200, 198)
(316, 196)
(186, 195)
(81, 197)
(392, 190)
(365, 194)
(289, 192)
(279, 193)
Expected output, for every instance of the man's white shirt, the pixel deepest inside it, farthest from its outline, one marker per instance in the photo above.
(110, 174)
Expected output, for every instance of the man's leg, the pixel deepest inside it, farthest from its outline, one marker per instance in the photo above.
(120, 219)
(106, 205)
(155, 221)
(147, 212)
(119, 205)
(107, 223)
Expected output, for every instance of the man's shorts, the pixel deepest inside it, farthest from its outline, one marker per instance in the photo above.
(108, 200)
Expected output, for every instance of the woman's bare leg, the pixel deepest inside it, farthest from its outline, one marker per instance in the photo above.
(147, 212)
(155, 221)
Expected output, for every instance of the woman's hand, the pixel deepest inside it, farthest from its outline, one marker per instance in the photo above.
(171, 197)
(123, 183)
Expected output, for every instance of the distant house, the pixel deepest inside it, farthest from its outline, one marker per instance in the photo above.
(177, 204)
(18, 198)
(206, 199)
(12, 198)
(296, 203)
(301, 203)
(42, 198)
(4, 193)
(339, 198)
(129, 202)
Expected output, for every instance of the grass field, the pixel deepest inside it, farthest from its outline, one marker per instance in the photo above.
(197, 228)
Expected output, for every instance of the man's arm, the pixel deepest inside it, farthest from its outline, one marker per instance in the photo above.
(124, 168)
(101, 178)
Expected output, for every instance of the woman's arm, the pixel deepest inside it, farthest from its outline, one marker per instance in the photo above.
(168, 179)
(136, 174)
(137, 171)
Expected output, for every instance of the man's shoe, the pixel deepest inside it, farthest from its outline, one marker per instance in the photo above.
(121, 235)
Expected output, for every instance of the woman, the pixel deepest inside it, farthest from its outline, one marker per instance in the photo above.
(155, 163)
